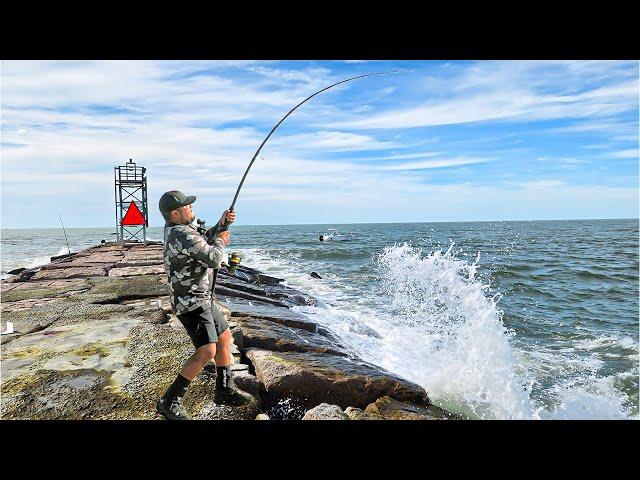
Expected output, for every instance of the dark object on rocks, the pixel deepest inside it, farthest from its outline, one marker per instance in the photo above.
(26, 275)
(15, 271)
(315, 275)
(66, 255)
(324, 411)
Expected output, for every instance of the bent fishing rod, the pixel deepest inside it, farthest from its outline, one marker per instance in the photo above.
(212, 232)
(221, 228)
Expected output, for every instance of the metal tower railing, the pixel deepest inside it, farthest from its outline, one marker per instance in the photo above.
(130, 186)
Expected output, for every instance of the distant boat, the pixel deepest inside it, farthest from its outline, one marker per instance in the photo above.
(335, 236)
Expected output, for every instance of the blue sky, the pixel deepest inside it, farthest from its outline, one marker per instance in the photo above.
(439, 141)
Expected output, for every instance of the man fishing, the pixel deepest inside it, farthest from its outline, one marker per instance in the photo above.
(189, 262)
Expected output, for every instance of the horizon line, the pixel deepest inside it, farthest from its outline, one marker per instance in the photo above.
(359, 223)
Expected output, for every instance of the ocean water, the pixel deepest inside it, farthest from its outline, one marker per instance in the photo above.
(497, 320)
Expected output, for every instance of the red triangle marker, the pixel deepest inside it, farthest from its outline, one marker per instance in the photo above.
(133, 216)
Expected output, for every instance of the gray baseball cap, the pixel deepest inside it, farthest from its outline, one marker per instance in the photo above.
(174, 199)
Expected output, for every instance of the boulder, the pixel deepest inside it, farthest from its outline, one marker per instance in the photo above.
(392, 409)
(251, 275)
(228, 292)
(232, 283)
(357, 414)
(267, 335)
(284, 296)
(247, 382)
(324, 411)
(312, 378)
(88, 345)
(284, 316)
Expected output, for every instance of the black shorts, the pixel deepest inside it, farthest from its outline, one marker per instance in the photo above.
(204, 325)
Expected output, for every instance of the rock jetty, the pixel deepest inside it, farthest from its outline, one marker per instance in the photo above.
(94, 338)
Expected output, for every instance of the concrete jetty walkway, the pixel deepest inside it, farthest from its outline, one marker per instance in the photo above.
(95, 338)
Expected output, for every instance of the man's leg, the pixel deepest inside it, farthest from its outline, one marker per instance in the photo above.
(202, 331)
(223, 355)
(170, 405)
(226, 392)
(196, 362)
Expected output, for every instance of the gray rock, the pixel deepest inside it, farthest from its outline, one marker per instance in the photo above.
(324, 411)
(249, 383)
(236, 334)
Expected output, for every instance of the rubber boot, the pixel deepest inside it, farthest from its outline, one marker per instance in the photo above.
(170, 405)
(226, 392)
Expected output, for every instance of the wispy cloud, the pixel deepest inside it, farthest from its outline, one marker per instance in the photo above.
(630, 153)
(428, 164)
(363, 150)
(512, 90)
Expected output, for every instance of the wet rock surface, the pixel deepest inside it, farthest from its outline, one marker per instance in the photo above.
(242, 307)
(312, 378)
(268, 335)
(95, 338)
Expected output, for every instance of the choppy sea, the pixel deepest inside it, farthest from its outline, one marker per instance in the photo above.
(497, 320)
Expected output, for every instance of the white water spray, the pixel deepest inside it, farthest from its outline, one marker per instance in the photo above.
(448, 335)
(434, 322)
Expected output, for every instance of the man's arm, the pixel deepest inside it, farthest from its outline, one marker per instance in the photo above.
(194, 245)
(223, 224)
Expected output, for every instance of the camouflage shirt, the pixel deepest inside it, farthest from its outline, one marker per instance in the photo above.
(189, 262)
